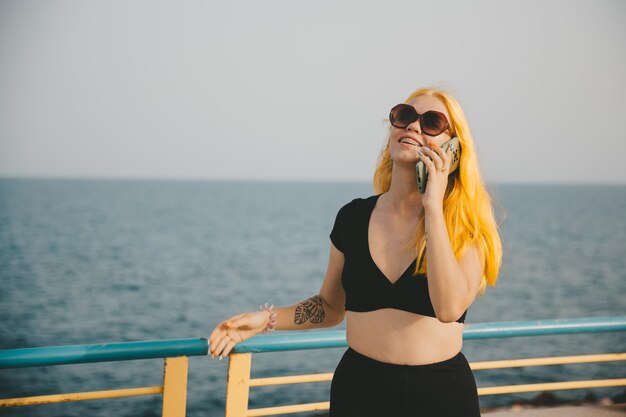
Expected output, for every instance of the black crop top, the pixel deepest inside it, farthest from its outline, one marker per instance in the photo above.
(366, 287)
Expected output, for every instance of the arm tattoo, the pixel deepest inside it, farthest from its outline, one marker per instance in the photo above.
(310, 309)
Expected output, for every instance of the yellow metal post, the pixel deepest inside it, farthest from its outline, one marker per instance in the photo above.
(175, 387)
(238, 385)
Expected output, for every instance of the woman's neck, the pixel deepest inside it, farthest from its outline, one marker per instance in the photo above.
(403, 196)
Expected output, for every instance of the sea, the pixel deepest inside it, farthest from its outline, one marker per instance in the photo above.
(102, 261)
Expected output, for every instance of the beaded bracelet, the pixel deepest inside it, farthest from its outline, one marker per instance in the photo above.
(271, 326)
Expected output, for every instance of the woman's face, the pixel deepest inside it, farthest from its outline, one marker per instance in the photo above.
(403, 152)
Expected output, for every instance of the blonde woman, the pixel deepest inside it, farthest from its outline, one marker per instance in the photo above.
(404, 267)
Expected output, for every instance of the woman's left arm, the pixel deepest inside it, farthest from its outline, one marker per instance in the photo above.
(452, 284)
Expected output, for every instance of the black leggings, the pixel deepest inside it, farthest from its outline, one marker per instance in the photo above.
(364, 387)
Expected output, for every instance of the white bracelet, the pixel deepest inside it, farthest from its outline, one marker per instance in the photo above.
(271, 326)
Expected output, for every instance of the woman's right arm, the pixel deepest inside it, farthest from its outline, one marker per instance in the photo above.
(325, 309)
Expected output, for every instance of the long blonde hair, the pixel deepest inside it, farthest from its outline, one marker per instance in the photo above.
(467, 205)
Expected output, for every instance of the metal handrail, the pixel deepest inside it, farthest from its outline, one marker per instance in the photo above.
(106, 352)
(322, 339)
(239, 381)
(282, 341)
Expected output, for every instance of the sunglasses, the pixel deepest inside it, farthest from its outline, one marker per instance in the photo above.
(432, 122)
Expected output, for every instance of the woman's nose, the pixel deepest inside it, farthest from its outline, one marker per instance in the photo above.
(415, 126)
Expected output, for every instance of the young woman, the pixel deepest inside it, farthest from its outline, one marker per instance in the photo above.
(404, 267)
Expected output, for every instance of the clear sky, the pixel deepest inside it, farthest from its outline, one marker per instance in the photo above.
(298, 90)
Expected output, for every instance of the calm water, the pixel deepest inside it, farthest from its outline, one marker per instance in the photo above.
(110, 261)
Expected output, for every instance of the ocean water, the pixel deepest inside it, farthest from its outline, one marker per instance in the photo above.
(93, 261)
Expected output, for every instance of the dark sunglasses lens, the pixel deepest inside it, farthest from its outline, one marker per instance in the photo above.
(402, 115)
(433, 123)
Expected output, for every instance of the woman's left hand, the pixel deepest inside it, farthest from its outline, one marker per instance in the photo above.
(438, 165)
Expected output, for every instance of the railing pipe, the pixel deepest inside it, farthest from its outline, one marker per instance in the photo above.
(321, 339)
(281, 341)
(63, 355)
(545, 327)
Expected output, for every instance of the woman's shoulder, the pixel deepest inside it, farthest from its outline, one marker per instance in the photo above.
(358, 203)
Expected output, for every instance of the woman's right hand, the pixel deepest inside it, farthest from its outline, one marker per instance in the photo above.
(236, 329)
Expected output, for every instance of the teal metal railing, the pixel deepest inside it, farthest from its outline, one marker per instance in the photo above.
(276, 342)
(239, 382)
(106, 352)
(173, 387)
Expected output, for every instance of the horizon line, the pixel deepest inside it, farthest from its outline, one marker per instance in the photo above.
(274, 180)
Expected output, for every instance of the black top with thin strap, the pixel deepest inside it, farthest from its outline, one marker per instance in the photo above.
(366, 287)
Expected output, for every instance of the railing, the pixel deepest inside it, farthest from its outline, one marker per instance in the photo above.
(174, 388)
(175, 353)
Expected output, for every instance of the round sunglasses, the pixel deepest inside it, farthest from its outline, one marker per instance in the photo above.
(432, 122)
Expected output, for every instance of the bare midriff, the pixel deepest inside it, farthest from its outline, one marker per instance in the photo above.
(401, 337)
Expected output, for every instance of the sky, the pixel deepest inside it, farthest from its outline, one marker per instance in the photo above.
(300, 90)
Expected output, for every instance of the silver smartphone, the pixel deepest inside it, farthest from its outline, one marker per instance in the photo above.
(455, 157)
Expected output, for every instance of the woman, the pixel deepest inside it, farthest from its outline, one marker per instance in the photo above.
(404, 317)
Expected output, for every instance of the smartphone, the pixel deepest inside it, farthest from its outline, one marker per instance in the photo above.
(455, 156)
